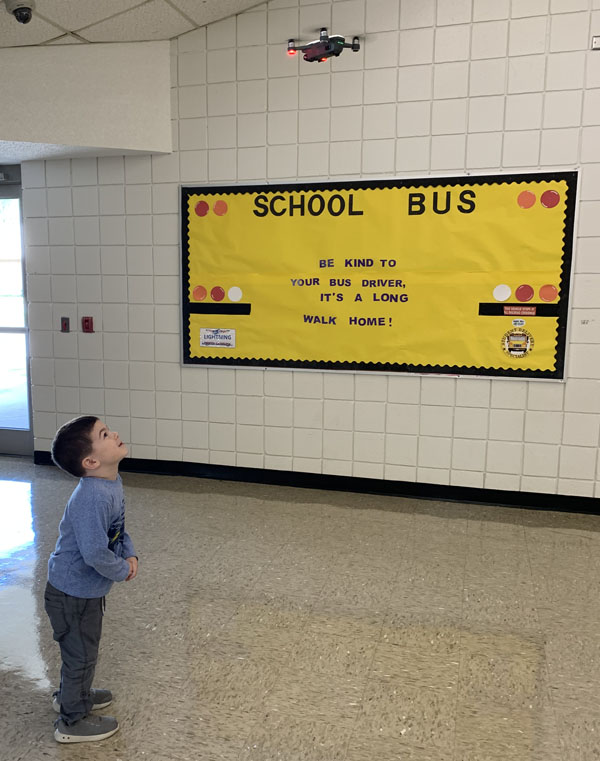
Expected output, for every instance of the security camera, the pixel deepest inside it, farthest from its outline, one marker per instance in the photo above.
(22, 11)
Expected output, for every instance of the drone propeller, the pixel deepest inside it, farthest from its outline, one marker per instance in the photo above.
(317, 30)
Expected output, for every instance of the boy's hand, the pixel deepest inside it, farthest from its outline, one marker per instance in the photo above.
(133, 566)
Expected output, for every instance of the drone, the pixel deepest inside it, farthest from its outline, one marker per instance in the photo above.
(323, 48)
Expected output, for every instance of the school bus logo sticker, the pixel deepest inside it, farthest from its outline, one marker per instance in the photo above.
(517, 343)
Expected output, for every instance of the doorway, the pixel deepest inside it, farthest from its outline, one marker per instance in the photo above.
(15, 400)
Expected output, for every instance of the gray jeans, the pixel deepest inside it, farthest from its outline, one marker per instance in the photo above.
(77, 626)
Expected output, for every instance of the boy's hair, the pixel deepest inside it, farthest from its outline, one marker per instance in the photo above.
(72, 444)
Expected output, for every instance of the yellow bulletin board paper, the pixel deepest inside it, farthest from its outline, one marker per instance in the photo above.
(466, 275)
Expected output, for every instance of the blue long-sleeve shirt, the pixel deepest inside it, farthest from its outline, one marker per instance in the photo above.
(92, 543)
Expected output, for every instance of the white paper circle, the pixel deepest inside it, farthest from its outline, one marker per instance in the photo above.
(235, 293)
(502, 292)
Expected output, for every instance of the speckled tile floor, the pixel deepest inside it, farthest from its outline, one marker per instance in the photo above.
(280, 624)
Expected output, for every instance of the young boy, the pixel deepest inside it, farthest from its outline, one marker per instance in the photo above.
(93, 550)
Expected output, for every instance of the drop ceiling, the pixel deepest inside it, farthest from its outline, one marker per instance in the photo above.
(67, 22)
(61, 22)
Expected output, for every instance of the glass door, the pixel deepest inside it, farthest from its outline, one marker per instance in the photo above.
(15, 407)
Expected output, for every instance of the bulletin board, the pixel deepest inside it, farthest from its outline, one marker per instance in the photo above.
(452, 275)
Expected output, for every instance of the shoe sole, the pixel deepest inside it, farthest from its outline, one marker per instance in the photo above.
(95, 707)
(62, 737)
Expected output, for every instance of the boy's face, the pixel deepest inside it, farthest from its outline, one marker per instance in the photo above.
(107, 447)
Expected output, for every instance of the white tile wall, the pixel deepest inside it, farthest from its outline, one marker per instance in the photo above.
(436, 421)
(504, 457)
(470, 478)
(447, 86)
(489, 40)
(434, 452)
(540, 459)
(471, 422)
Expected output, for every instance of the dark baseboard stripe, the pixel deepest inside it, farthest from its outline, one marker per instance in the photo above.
(499, 497)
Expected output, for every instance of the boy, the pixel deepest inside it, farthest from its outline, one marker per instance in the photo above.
(93, 550)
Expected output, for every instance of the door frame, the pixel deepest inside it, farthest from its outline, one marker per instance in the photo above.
(17, 441)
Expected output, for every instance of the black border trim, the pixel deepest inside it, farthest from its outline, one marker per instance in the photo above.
(570, 177)
(439, 492)
(409, 182)
(487, 309)
(220, 308)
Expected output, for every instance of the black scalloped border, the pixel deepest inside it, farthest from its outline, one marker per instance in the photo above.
(569, 177)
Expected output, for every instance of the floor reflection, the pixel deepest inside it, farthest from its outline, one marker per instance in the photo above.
(19, 644)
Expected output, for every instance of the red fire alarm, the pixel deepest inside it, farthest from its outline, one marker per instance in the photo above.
(87, 324)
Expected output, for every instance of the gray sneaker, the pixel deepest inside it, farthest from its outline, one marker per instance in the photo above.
(89, 729)
(101, 698)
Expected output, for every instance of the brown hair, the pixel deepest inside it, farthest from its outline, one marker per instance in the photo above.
(73, 443)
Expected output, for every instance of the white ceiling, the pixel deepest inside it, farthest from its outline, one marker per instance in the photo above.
(79, 21)
(66, 22)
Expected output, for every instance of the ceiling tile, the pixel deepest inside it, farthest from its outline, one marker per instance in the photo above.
(115, 20)
(72, 16)
(13, 34)
(206, 12)
(155, 20)
(66, 39)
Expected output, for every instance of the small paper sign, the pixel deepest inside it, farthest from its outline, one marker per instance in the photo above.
(217, 337)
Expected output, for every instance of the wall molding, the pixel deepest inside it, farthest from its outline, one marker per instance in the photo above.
(439, 492)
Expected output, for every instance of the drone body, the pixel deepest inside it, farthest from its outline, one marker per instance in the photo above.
(323, 48)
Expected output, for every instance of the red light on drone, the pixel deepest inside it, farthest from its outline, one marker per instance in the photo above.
(323, 59)
(292, 52)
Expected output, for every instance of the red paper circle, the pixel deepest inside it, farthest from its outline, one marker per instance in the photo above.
(524, 293)
(549, 199)
(201, 208)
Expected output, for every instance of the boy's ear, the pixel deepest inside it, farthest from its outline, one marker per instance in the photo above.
(90, 463)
